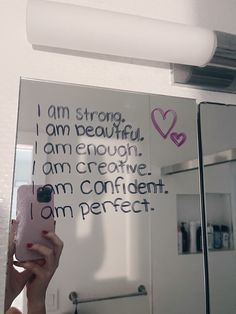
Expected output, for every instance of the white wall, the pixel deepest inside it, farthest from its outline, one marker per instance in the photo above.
(18, 59)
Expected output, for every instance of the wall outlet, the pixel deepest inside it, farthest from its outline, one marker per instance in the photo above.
(52, 300)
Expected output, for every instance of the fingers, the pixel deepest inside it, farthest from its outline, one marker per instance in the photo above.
(56, 242)
(45, 267)
(30, 267)
(43, 250)
(25, 275)
(53, 238)
(50, 254)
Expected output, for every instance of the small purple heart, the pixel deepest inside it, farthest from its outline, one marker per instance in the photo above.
(178, 138)
(170, 124)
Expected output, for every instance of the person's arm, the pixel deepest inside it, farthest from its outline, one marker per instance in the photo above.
(15, 281)
(42, 270)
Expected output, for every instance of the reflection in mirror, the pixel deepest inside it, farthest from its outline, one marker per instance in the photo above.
(219, 143)
(125, 222)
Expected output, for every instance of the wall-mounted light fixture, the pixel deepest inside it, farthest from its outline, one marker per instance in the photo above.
(218, 74)
(71, 28)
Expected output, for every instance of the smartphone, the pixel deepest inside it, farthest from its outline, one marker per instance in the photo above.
(34, 213)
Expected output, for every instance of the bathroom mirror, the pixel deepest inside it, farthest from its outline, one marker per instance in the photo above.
(125, 205)
(218, 144)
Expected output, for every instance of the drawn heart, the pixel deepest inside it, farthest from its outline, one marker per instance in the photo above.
(178, 138)
(158, 116)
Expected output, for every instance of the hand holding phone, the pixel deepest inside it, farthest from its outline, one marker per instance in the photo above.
(32, 203)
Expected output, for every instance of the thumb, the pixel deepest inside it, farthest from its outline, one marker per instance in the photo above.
(26, 275)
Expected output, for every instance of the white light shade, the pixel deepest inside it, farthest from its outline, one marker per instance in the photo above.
(73, 27)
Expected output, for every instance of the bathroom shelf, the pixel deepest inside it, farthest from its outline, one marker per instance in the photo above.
(219, 212)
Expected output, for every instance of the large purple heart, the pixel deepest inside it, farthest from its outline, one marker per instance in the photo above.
(178, 138)
(170, 124)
